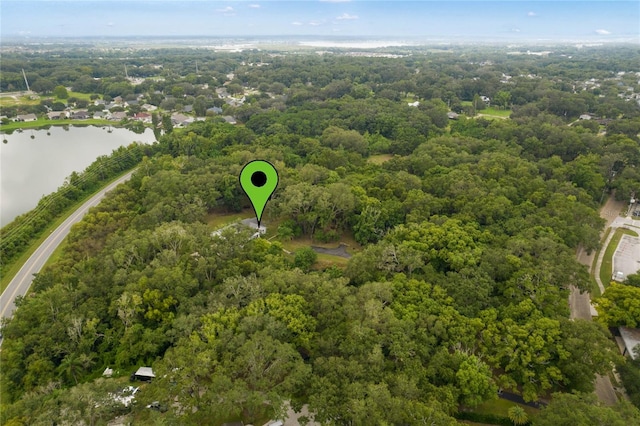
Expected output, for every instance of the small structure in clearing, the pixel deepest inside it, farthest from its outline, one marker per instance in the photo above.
(144, 374)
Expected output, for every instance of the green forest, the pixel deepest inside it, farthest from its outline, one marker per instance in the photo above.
(462, 235)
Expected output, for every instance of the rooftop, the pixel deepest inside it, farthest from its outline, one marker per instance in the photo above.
(145, 371)
(631, 338)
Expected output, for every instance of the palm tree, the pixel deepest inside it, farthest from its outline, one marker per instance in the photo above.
(517, 415)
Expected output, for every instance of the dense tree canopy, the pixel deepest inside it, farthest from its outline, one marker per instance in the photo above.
(464, 235)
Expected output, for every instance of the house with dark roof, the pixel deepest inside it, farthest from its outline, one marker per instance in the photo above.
(80, 115)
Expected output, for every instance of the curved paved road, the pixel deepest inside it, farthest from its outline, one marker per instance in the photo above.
(580, 303)
(22, 281)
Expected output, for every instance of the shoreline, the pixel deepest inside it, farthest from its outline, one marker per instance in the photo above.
(46, 124)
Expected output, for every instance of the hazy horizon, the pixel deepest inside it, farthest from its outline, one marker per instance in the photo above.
(457, 21)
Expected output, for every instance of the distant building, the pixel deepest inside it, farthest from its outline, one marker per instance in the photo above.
(80, 115)
(229, 119)
(145, 117)
(181, 119)
(119, 115)
(214, 110)
(414, 104)
(452, 115)
(26, 117)
(57, 115)
(101, 114)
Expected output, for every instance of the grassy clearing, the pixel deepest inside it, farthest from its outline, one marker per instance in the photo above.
(7, 101)
(12, 270)
(297, 243)
(504, 113)
(606, 268)
(379, 158)
(46, 123)
(218, 220)
(500, 407)
(78, 95)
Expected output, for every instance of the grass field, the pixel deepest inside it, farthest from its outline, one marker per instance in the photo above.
(7, 101)
(218, 220)
(379, 158)
(504, 113)
(500, 407)
(490, 112)
(606, 269)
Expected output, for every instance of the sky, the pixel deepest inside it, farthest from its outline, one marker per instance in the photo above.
(468, 20)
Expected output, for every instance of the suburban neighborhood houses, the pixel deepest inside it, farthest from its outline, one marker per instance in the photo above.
(180, 105)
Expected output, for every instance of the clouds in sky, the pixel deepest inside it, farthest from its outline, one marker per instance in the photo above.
(227, 11)
(441, 19)
(347, 17)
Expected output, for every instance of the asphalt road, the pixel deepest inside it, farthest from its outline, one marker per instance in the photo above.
(580, 304)
(22, 281)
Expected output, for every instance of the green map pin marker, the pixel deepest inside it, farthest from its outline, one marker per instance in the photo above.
(258, 180)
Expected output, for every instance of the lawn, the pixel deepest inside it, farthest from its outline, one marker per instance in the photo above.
(500, 407)
(606, 269)
(78, 95)
(490, 111)
(6, 101)
(379, 158)
(218, 220)
(504, 113)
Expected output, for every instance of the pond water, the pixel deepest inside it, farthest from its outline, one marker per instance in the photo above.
(34, 163)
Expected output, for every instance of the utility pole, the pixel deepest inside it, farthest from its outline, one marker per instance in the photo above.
(25, 80)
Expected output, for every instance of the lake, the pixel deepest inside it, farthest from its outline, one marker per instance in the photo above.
(33, 167)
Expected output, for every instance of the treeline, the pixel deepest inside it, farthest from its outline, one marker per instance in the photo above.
(19, 234)
(568, 83)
